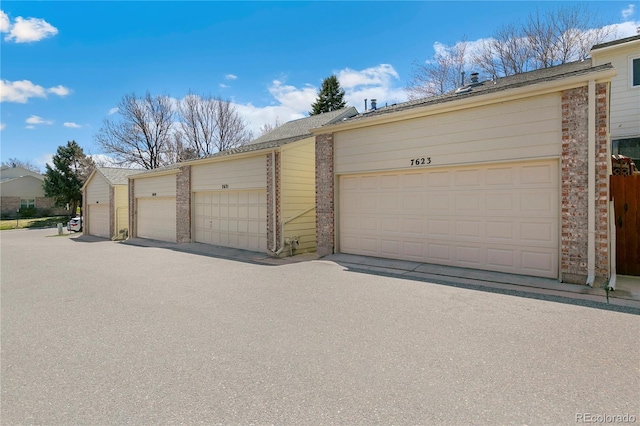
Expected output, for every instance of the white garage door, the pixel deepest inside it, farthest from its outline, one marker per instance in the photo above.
(99, 220)
(156, 218)
(501, 217)
(232, 219)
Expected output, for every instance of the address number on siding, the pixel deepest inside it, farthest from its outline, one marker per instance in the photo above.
(225, 185)
(422, 161)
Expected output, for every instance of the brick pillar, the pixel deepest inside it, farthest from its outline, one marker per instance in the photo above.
(183, 205)
(575, 194)
(602, 180)
(325, 226)
(273, 187)
(132, 209)
(574, 184)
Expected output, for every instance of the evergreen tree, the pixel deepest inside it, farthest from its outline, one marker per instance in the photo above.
(330, 97)
(63, 182)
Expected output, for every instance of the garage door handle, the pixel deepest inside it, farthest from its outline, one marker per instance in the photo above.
(620, 222)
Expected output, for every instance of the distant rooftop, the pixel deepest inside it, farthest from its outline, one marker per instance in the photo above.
(300, 128)
(491, 86)
(116, 175)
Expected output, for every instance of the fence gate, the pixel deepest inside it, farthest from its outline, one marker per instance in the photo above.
(625, 192)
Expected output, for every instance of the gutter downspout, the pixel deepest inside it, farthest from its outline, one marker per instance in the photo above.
(591, 184)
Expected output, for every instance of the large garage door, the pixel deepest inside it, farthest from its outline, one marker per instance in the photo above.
(156, 218)
(99, 220)
(232, 219)
(501, 217)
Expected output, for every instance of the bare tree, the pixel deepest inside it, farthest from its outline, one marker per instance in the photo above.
(14, 162)
(143, 135)
(208, 125)
(440, 75)
(564, 35)
(505, 53)
(231, 129)
(268, 127)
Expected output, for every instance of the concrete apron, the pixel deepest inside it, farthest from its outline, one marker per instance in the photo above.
(627, 293)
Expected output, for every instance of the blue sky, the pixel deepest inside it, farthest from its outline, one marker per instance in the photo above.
(66, 65)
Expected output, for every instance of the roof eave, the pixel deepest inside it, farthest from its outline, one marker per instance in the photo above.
(470, 101)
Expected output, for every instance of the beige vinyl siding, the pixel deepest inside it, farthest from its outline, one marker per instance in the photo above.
(514, 130)
(25, 187)
(242, 173)
(98, 190)
(121, 207)
(298, 193)
(625, 99)
(161, 186)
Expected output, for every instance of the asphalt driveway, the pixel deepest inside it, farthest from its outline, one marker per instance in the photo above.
(98, 332)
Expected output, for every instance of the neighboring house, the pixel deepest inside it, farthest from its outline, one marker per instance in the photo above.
(260, 196)
(508, 175)
(21, 188)
(105, 197)
(624, 55)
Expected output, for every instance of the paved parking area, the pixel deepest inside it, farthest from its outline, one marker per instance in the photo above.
(99, 332)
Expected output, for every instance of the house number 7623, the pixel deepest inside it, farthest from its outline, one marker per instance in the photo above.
(420, 161)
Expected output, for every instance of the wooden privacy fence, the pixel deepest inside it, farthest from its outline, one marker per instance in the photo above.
(625, 193)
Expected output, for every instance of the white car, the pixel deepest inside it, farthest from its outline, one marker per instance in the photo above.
(75, 224)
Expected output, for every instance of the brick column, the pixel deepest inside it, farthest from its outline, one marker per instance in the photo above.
(273, 187)
(575, 194)
(325, 226)
(602, 180)
(183, 205)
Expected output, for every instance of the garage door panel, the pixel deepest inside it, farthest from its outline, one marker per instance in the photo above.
(496, 217)
(99, 220)
(232, 219)
(156, 218)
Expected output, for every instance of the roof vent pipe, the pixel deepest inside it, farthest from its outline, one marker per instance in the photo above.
(373, 104)
(462, 79)
(365, 104)
(474, 77)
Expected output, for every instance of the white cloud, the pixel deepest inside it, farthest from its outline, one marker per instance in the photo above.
(5, 25)
(43, 160)
(291, 97)
(629, 11)
(3, 126)
(113, 110)
(377, 82)
(256, 117)
(27, 30)
(20, 91)
(380, 75)
(59, 90)
(292, 103)
(104, 160)
(34, 119)
(224, 86)
(72, 125)
(30, 127)
(231, 77)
